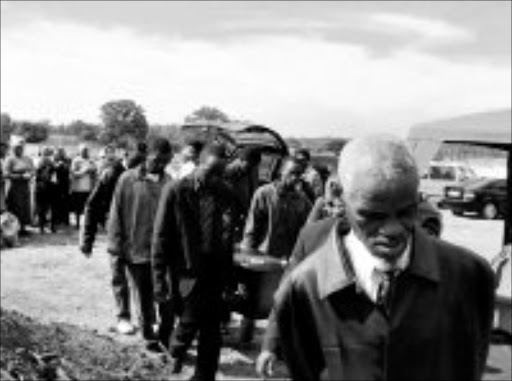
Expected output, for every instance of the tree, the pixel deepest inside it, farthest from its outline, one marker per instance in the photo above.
(207, 113)
(123, 120)
(84, 131)
(169, 131)
(33, 132)
(6, 127)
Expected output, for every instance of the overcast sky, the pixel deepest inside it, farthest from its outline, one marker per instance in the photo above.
(304, 68)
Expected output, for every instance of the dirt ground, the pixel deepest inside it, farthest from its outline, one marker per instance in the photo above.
(63, 305)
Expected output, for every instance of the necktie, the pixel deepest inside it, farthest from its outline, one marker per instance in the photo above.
(385, 290)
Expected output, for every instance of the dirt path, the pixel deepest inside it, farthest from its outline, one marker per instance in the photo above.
(48, 279)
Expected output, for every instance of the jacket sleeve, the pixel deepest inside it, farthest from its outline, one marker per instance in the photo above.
(115, 226)
(164, 245)
(257, 222)
(300, 344)
(485, 296)
(96, 208)
(271, 337)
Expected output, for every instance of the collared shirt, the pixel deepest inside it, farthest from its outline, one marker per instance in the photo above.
(132, 214)
(275, 219)
(367, 267)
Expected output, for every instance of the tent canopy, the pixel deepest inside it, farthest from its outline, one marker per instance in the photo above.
(491, 129)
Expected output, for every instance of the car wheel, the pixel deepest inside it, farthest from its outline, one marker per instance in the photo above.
(489, 211)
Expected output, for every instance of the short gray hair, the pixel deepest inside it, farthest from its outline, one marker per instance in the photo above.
(385, 157)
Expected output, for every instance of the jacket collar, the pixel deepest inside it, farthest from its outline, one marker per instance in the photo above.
(424, 261)
(335, 271)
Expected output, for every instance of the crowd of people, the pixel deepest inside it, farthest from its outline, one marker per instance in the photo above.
(366, 293)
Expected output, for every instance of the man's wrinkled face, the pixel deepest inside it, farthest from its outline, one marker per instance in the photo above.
(382, 214)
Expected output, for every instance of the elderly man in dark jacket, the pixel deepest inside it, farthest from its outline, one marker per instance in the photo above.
(382, 299)
(191, 259)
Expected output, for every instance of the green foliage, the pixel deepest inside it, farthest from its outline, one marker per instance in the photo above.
(84, 131)
(33, 132)
(123, 121)
(207, 113)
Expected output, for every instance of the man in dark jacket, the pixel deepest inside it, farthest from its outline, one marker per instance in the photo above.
(383, 300)
(191, 260)
(130, 227)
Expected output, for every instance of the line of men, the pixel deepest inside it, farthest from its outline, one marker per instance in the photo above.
(366, 294)
(172, 239)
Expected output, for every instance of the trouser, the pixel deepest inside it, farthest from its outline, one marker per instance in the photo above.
(79, 200)
(142, 283)
(120, 286)
(45, 204)
(202, 310)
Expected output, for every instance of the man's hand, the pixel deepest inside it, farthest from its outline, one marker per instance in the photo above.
(265, 364)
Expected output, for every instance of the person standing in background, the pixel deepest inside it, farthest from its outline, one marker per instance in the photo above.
(83, 176)
(4, 147)
(330, 204)
(62, 188)
(19, 171)
(45, 190)
(130, 228)
(311, 181)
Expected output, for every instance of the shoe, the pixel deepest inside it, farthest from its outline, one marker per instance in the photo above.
(177, 365)
(125, 327)
(153, 346)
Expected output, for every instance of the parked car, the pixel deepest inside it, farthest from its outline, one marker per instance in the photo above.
(439, 175)
(487, 197)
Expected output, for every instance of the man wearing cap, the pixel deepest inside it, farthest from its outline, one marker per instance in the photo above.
(382, 299)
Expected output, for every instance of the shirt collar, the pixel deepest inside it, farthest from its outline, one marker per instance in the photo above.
(336, 270)
(367, 267)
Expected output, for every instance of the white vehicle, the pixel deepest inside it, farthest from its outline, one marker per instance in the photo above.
(442, 174)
